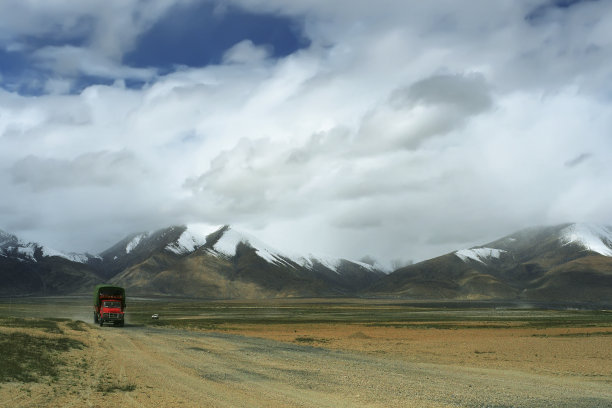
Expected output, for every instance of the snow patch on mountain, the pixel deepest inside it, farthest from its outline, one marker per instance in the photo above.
(227, 244)
(479, 254)
(74, 257)
(596, 238)
(134, 242)
(11, 246)
(332, 263)
(327, 261)
(192, 238)
(27, 250)
(6, 238)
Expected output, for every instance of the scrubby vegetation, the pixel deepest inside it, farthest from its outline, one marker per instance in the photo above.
(49, 325)
(228, 315)
(29, 358)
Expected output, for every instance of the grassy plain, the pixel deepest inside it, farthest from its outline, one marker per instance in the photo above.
(71, 360)
(557, 341)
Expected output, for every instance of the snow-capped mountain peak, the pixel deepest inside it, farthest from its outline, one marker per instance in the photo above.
(594, 237)
(192, 238)
(11, 245)
(479, 254)
(71, 256)
(231, 238)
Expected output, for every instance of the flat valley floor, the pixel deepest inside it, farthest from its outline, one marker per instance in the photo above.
(315, 353)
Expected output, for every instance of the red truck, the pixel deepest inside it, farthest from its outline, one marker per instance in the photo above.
(109, 305)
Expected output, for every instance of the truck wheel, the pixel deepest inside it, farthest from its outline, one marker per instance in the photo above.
(101, 322)
(121, 323)
(95, 317)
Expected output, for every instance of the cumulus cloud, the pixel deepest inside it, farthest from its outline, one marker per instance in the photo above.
(257, 175)
(245, 52)
(427, 108)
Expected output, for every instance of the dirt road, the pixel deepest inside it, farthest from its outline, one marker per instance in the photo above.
(139, 366)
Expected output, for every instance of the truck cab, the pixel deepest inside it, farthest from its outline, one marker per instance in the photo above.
(111, 312)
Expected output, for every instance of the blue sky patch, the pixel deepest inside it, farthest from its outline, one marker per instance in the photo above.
(197, 36)
(18, 75)
(193, 35)
(12, 63)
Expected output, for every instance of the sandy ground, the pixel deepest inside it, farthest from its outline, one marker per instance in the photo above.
(328, 366)
(570, 352)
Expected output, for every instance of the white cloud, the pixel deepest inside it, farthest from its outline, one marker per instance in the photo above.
(246, 52)
(104, 169)
(69, 61)
(407, 129)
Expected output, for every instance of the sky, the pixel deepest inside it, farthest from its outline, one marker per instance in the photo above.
(400, 130)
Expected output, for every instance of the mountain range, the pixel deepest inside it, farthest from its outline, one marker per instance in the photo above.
(562, 263)
(193, 260)
(568, 262)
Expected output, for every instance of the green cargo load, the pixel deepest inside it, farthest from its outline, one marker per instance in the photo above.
(108, 291)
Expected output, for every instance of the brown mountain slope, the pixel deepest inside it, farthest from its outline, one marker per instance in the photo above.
(586, 279)
(207, 273)
(47, 276)
(444, 277)
(540, 264)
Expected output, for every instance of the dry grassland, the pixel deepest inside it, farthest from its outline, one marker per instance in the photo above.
(572, 352)
(313, 355)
